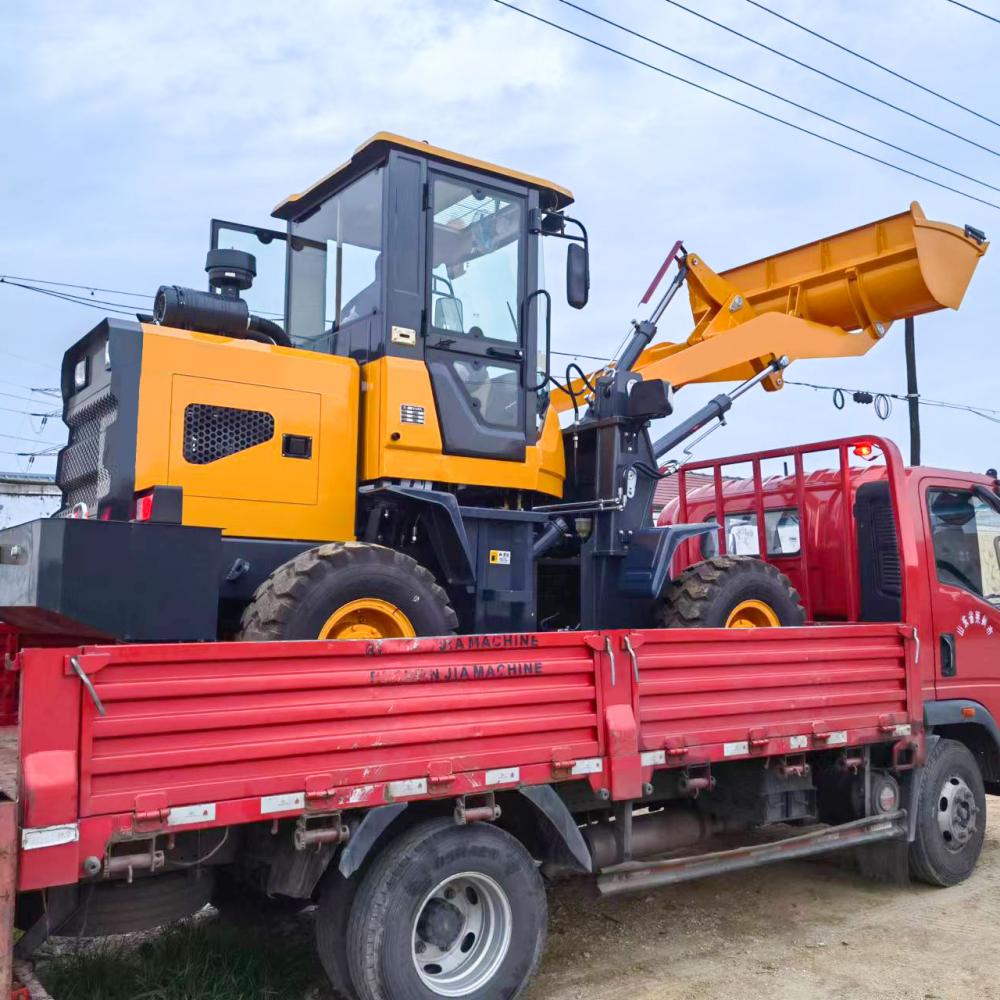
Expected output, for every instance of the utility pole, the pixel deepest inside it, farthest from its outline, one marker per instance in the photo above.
(912, 399)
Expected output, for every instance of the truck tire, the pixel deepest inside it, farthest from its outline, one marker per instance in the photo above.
(148, 902)
(731, 592)
(336, 898)
(951, 816)
(448, 911)
(348, 590)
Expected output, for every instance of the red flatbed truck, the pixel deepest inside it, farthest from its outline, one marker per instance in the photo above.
(419, 789)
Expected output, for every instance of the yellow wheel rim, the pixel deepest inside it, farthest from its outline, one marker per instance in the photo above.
(367, 618)
(753, 614)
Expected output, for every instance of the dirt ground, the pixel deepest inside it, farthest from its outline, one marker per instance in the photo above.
(801, 931)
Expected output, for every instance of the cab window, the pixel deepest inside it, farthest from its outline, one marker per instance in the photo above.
(966, 533)
(781, 528)
(475, 257)
(335, 264)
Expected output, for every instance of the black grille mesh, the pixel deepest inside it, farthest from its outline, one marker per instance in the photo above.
(213, 432)
(83, 477)
(888, 570)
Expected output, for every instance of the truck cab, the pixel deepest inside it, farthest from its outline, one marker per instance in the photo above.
(866, 539)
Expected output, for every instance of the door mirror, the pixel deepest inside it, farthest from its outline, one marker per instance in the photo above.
(448, 315)
(577, 275)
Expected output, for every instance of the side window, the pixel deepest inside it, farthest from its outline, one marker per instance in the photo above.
(781, 528)
(335, 264)
(966, 534)
(475, 253)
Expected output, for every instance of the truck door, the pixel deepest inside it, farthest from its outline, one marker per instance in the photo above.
(964, 578)
(476, 337)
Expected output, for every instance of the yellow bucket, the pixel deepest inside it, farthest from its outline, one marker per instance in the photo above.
(887, 270)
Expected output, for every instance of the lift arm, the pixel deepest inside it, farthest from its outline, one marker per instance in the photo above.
(834, 298)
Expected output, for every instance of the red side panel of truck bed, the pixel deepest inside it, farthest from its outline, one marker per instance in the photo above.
(207, 735)
(721, 689)
(266, 719)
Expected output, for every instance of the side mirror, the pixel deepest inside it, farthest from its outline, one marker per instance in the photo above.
(577, 275)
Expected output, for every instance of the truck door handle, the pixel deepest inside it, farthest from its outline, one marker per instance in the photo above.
(949, 666)
(514, 354)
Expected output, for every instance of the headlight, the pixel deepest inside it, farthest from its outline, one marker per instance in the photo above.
(107, 355)
(80, 374)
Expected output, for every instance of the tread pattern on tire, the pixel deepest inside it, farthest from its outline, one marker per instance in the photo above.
(266, 617)
(922, 865)
(687, 599)
(376, 896)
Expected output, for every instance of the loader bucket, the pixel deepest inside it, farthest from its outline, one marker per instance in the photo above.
(898, 267)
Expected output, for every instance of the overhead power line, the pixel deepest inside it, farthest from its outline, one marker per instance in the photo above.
(980, 411)
(69, 284)
(748, 107)
(830, 76)
(122, 308)
(779, 97)
(871, 62)
(974, 10)
(21, 437)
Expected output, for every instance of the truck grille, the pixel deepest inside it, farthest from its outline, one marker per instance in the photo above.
(83, 477)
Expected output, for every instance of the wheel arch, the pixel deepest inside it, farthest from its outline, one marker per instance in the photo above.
(971, 724)
(535, 815)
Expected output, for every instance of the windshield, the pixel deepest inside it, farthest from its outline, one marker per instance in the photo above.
(335, 269)
(474, 260)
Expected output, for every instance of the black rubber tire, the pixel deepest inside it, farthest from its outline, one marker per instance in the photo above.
(148, 902)
(336, 898)
(931, 860)
(296, 600)
(385, 909)
(705, 594)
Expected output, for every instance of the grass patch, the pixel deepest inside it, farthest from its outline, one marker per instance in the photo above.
(200, 961)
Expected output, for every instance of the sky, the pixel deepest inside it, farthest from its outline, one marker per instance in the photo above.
(127, 127)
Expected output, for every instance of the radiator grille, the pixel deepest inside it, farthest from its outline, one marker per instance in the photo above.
(83, 476)
(214, 432)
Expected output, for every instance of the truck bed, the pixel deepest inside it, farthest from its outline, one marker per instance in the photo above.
(203, 735)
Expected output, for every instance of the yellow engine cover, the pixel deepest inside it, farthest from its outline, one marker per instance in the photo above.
(257, 491)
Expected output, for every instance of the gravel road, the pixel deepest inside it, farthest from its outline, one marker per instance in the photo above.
(801, 931)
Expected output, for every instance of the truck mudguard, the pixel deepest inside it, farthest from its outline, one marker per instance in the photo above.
(952, 712)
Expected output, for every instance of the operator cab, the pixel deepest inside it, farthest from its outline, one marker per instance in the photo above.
(415, 252)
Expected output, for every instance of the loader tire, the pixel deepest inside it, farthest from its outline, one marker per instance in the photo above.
(348, 590)
(731, 592)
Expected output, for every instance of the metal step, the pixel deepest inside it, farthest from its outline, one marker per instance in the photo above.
(636, 876)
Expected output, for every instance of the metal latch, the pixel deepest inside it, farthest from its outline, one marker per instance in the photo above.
(476, 809)
(320, 828)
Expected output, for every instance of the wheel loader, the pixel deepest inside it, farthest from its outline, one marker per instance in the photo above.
(393, 451)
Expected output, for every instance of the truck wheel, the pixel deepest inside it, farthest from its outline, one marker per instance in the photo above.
(951, 816)
(731, 592)
(448, 911)
(349, 590)
(336, 899)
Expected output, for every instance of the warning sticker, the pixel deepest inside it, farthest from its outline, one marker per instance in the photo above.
(500, 557)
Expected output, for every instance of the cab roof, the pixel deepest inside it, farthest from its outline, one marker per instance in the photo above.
(377, 148)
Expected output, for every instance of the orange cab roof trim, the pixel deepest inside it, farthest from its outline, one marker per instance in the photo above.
(372, 150)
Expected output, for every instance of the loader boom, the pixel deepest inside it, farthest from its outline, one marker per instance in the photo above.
(833, 298)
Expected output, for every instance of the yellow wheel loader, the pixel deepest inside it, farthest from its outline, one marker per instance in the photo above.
(379, 451)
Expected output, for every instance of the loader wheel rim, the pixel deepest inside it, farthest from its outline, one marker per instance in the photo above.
(368, 618)
(461, 934)
(753, 614)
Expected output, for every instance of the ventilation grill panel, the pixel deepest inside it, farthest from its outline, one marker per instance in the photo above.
(214, 432)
